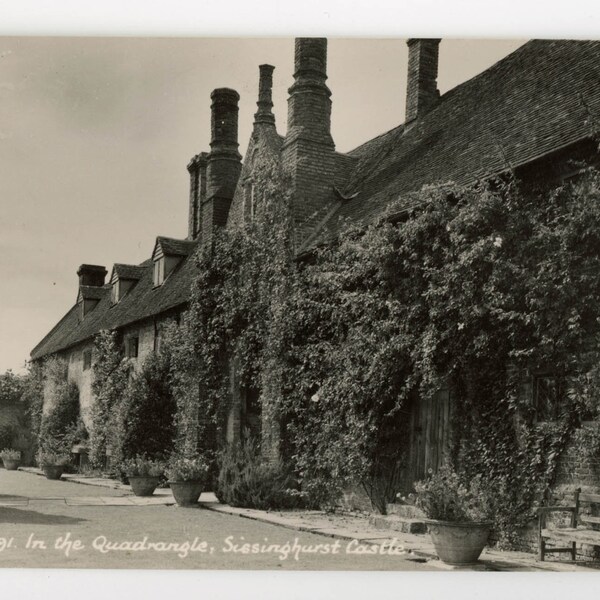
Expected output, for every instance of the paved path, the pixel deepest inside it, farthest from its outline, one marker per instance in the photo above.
(56, 526)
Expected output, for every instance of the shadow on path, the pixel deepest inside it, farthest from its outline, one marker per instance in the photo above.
(32, 517)
(12, 498)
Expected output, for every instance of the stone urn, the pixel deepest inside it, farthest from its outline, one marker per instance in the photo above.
(143, 485)
(458, 543)
(186, 493)
(53, 471)
(11, 464)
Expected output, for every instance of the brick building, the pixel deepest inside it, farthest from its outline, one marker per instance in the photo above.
(533, 112)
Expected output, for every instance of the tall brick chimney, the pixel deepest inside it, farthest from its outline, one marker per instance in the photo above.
(224, 161)
(92, 275)
(421, 90)
(264, 115)
(308, 150)
(309, 103)
(197, 170)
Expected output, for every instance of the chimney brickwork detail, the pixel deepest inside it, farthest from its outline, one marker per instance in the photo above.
(421, 91)
(223, 163)
(308, 150)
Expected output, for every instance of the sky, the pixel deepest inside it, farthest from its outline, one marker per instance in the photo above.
(96, 133)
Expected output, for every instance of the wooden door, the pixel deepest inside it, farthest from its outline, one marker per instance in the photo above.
(429, 436)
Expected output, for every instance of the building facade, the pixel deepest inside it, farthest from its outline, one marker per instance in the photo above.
(532, 114)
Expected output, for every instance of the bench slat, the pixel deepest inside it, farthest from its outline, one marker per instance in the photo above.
(588, 519)
(583, 536)
(594, 498)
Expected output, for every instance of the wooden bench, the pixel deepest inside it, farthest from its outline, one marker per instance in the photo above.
(579, 530)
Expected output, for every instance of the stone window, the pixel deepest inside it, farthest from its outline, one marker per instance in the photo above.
(132, 346)
(87, 359)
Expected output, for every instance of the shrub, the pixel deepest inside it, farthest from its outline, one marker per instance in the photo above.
(61, 427)
(10, 454)
(140, 466)
(247, 481)
(181, 468)
(52, 458)
(7, 434)
(147, 411)
(447, 497)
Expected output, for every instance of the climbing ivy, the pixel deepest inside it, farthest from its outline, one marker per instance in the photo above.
(111, 374)
(476, 289)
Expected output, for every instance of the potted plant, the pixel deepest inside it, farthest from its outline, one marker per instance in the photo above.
(11, 459)
(53, 463)
(143, 474)
(187, 477)
(458, 515)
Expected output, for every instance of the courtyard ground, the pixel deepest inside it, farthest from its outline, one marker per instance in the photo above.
(64, 524)
(41, 521)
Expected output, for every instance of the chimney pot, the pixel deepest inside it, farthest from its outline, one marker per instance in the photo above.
(224, 162)
(224, 118)
(265, 96)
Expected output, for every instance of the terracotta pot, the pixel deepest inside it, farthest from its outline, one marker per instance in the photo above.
(458, 543)
(186, 493)
(53, 471)
(11, 464)
(143, 485)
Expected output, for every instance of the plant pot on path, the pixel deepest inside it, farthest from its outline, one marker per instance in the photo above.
(11, 464)
(458, 543)
(186, 493)
(143, 485)
(53, 471)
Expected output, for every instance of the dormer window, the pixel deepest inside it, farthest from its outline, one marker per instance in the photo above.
(159, 271)
(168, 254)
(114, 293)
(123, 279)
(88, 298)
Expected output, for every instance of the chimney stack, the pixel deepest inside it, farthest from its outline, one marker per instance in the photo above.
(309, 103)
(308, 150)
(197, 170)
(264, 114)
(92, 275)
(421, 91)
(224, 161)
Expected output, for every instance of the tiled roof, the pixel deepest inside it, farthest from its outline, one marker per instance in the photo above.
(141, 302)
(173, 247)
(542, 97)
(128, 271)
(92, 292)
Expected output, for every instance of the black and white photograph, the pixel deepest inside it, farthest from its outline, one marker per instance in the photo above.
(310, 303)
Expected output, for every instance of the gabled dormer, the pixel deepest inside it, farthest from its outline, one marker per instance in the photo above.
(122, 280)
(167, 255)
(88, 298)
